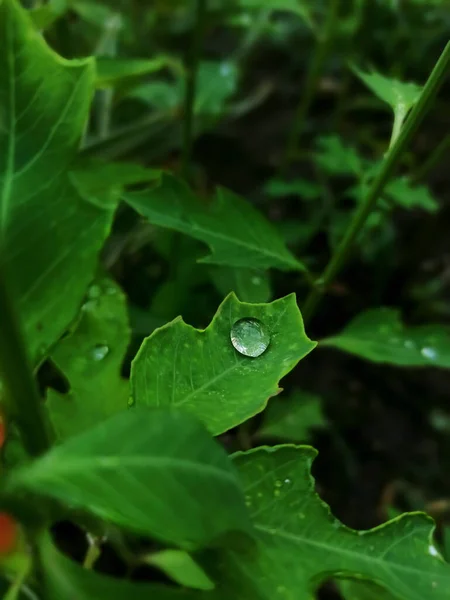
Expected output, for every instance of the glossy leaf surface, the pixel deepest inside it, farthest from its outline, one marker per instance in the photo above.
(237, 234)
(379, 335)
(51, 231)
(200, 371)
(91, 359)
(301, 544)
(154, 472)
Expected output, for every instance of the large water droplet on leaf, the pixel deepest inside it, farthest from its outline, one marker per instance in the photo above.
(99, 352)
(250, 337)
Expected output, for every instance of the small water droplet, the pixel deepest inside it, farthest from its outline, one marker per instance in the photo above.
(429, 353)
(100, 351)
(409, 344)
(250, 337)
(433, 550)
(278, 483)
(301, 515)
(277, 493)
(130, 401)
(287, 481)
(256, 280)
(225, 69)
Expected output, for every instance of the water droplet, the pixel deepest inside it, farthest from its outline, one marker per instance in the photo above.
(130, 401)
(277, 493)
(429, 353)
(278, 483)
(287, 481)
(409, 344)
(100, 351)
(250, 337)
(256, 280)
(225, 69)
(433, 550)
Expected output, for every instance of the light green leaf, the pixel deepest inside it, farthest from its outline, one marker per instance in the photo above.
(299, 7)
(216, 83)
(46, 14)
(203, 373)
(91, 359)
(249, 284)
(400, 95)
(95, 13)
(181, 567)
(301, 544)
(292, 418)
(161, 95)
(137, 470)
(406, 195)
(112, 70)
(363, 590)
(378, 335)
(68, 580)
(94, 177)
(336, 158)
(51, 232)
(237, 234)
(304, 189)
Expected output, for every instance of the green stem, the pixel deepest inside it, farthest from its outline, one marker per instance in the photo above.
(389, 164)
(93, 553)
(313, 76)
(23, 404)
(191, 85)
(433, 160)
(16, 586)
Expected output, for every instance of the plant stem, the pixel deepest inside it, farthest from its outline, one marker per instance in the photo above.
(390, 162)
(191, 86)
(434, 159)
(23, 404)
(313, 76)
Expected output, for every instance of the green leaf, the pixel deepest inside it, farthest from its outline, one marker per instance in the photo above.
(300, 544)
(112, 70)
(298, 7)
(336, 158)
(292, 418)
(161, 95)
(45, 15)
(249, 284)
(401, 96)
(202, 372)
(95, 177)
(63, 578)
(154, 472)
(181, 567)
(363, 590)
(237, 234)
(51, 232)
(304, 189)
(406, 195)
(91, 359)
(216, 83)
(378, 335)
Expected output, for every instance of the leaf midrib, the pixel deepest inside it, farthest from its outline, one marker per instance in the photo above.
(298, 539)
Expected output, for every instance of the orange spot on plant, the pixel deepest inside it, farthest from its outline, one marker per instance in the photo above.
(2, 431)
(9, 532)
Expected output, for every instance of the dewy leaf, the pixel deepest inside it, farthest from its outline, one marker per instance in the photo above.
(91, 359)
(154, 472)
(301, 544)
(292, 418)
(238, 235)
(64, 578)
(201, 371)
(379, 335)
(51, 232)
